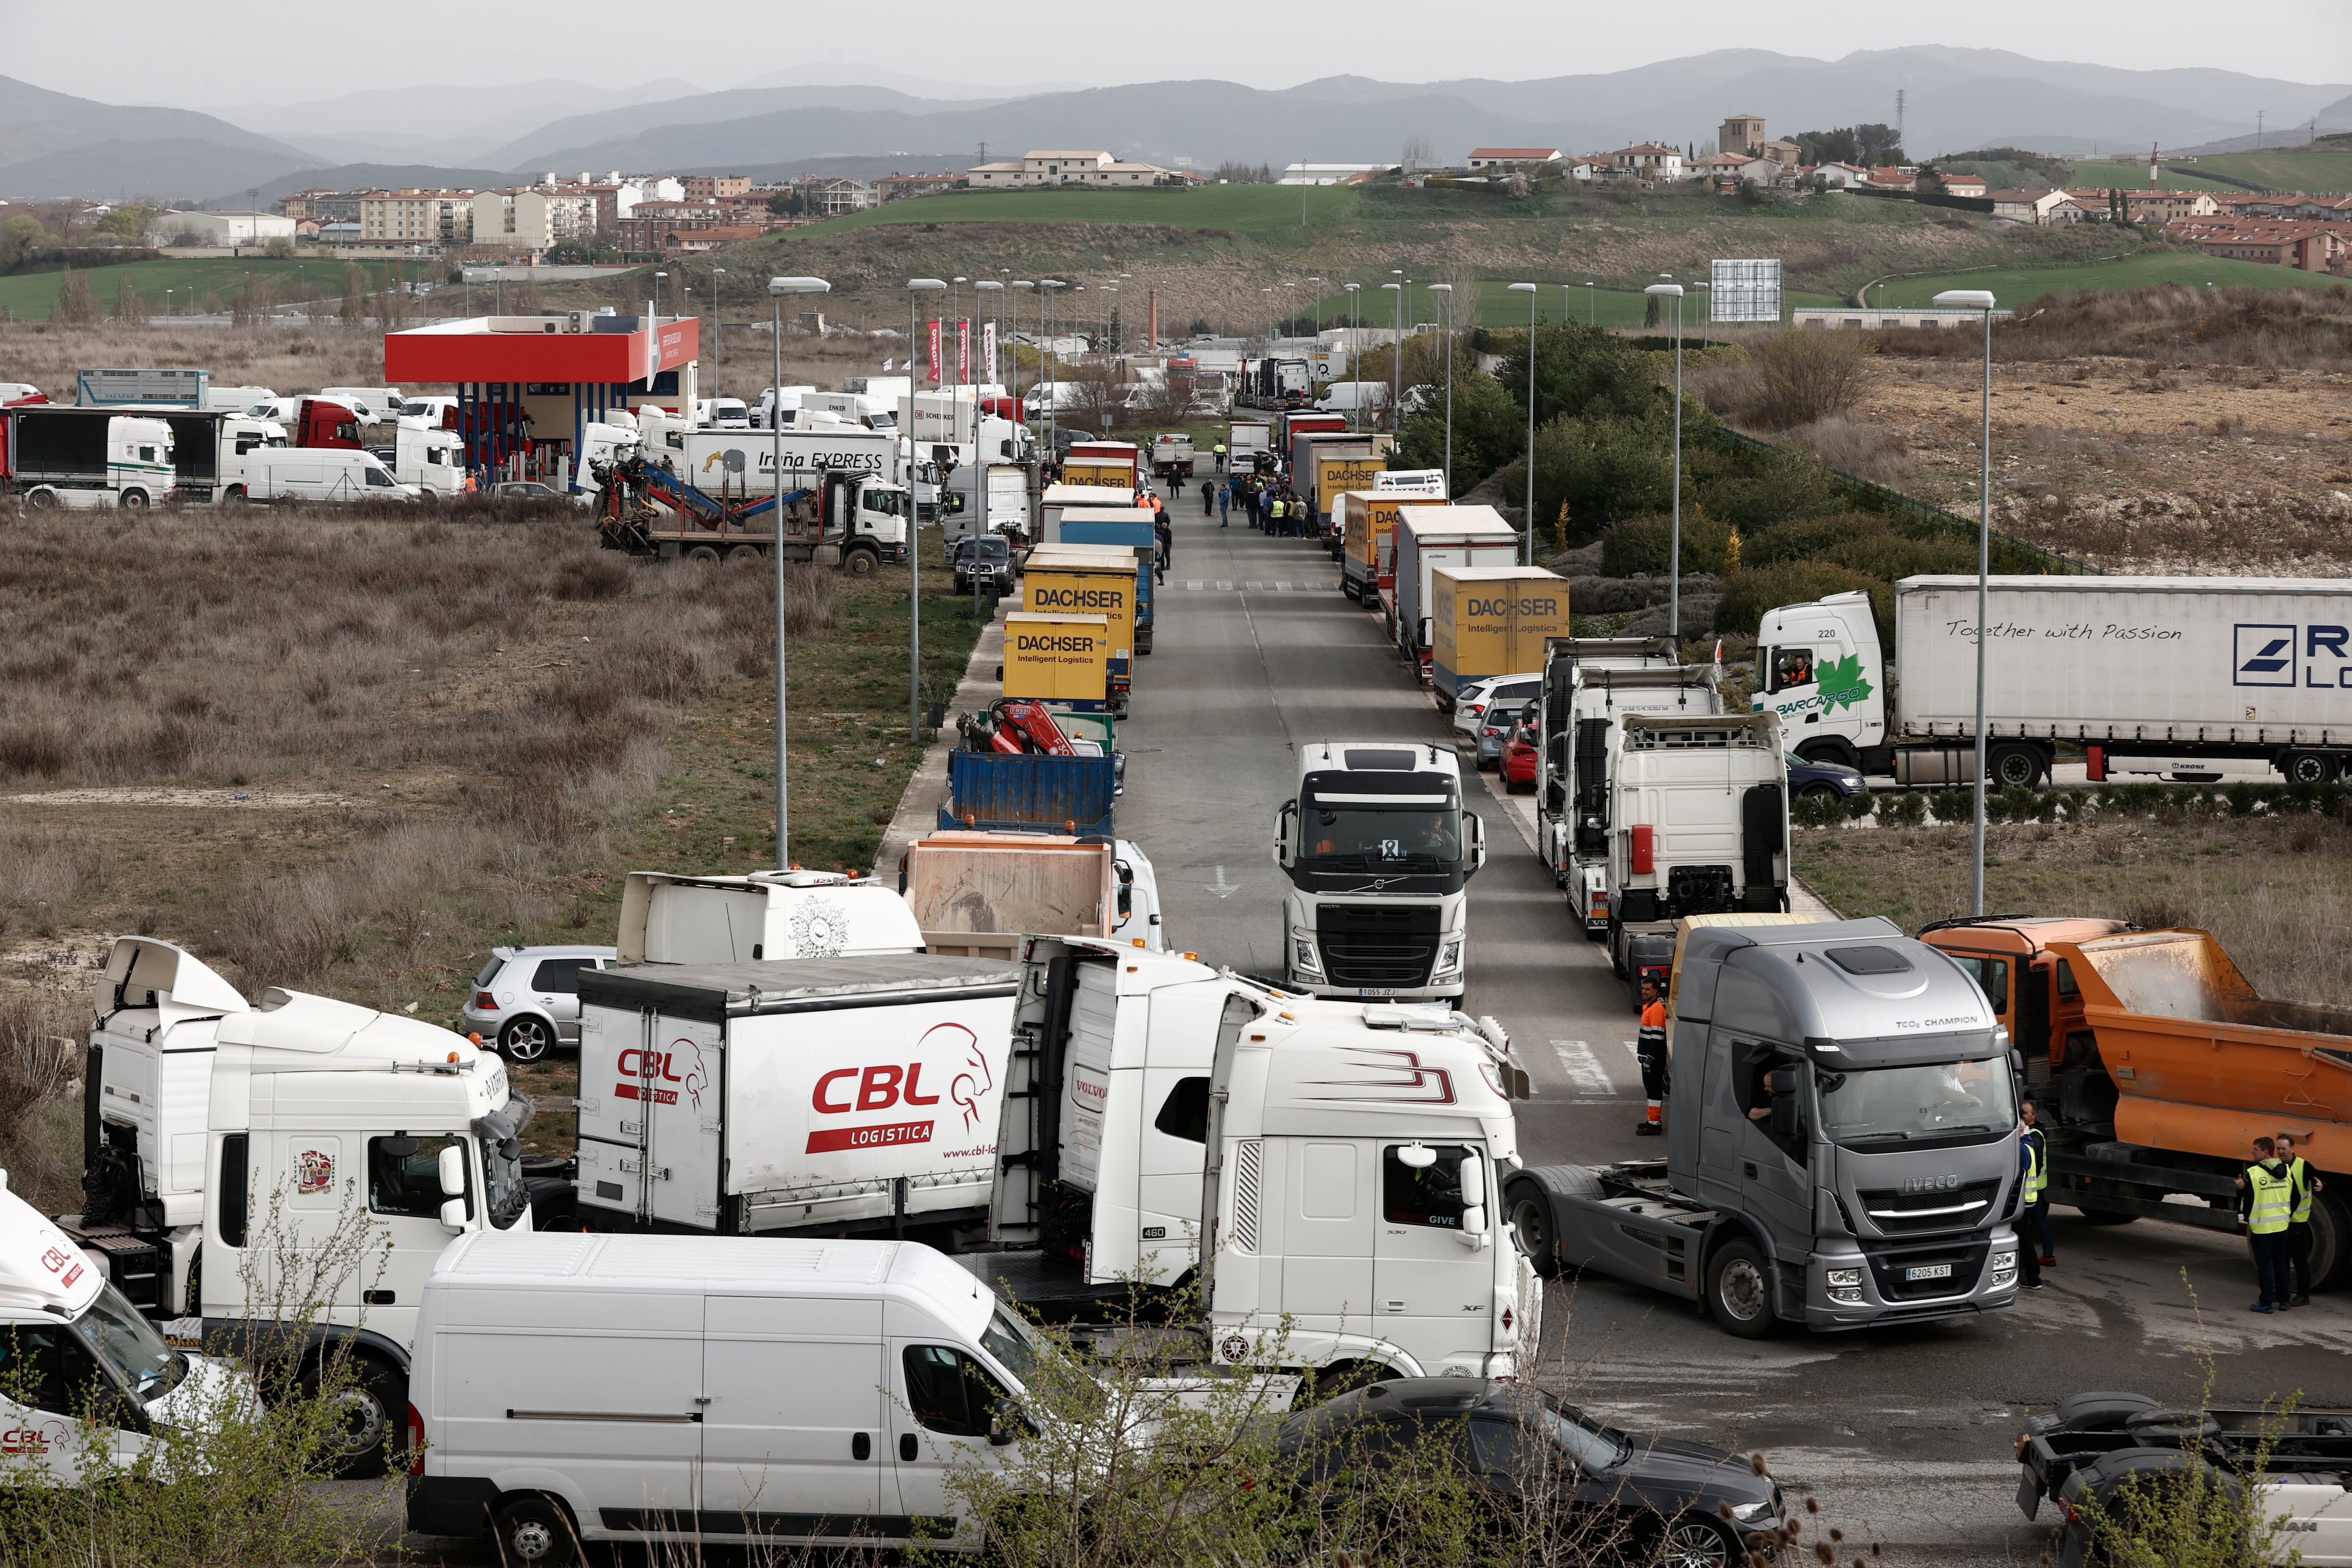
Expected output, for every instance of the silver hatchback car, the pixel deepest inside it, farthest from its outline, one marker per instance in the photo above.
(526, 999)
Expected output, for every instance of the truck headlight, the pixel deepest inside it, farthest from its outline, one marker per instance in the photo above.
(1449, 957)
(1846, 1295)
(2002, 1260)
(1302, 952)
(1842, 1277)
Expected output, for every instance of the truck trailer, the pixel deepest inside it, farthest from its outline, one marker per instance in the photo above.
(1491, 620)
(2145, 674)
(58, 456)
(1425, 541)
(1878, 1186)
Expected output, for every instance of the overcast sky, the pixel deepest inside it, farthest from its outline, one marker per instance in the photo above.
(262, 51)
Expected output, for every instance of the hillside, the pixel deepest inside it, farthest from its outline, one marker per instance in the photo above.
(53, 144)
(2313, 172)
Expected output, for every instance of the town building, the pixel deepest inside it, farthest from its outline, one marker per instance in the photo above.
(1648, 161)
(1048, 167)
(714, 187)
(1786, 155)
(2163, 207)
(222, 228)
(1872, 320)
(1720, 166)
(533, 217)
(1329, 174)
(1501, 159)
(1740, 134)
(1971, 186)
(416, 217)
(900, 187)
(831, 197)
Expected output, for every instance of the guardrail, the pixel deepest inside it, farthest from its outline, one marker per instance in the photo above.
(2009, 553)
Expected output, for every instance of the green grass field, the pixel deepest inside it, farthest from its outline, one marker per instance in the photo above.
(2020, 285)
(2324, 172)
(32, 295)
(1244, 209)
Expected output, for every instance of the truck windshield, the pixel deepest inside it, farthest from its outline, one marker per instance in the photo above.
(1912, 1105)
(131, 1348)
(882, 501)
(502, 1179)
(1371, 838)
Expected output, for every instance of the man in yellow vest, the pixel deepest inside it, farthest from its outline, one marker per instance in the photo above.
(2304, 1183)
(2033, 1218)
(1650, 1050)
(2266, 1203)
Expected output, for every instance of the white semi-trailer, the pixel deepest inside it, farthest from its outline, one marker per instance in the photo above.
(2156, 673)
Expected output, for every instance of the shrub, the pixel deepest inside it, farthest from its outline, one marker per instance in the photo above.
(1953, 804)
(1751, 591)
(1907, 809)
(1646, 544)
(1804, 375)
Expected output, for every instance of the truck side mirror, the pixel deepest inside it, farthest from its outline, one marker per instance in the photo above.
(451, 1168)
(1474, 1181)
(452, 1213)
(1475, 830)
(1281, 820)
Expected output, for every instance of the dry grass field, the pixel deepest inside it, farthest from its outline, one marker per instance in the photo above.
(349, 752)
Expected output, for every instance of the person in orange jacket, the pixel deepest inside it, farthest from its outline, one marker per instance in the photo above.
(1650, 1050)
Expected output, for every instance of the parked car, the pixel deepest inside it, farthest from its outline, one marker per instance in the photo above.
(987, 555)
(1823, 779)
(524, 490)
(1550, 1468)
(1520, 754)
(1470, 703)
(1495, 727)
(528, 998)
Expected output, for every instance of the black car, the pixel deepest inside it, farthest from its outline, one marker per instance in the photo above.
(1823, 779)
(987, 555)
(1550, 1470)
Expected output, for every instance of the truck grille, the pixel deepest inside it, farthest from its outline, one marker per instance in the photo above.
(1891, 1268)
(1369, 945)
(1898, 1213)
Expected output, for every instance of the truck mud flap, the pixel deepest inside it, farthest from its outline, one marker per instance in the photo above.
(1761, 839)
(2029, 1493)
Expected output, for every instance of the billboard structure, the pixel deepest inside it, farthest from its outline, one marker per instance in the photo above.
(1744, 291)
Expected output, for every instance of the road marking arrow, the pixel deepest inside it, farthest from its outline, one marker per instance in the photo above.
(1222, 888)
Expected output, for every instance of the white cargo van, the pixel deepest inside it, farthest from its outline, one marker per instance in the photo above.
(648, 1388)
(375, 405)
(321, 474)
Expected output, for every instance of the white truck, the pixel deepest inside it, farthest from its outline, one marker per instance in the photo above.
(1432, 539)
(1246, 442)
(1589, 682)
(855, 473)
(827, 1095)
(857, 408)
(431, 460)
(1696, 822)
(1379, 850)
(2170, 674)
(672, 918)
(221, 1136)
(56, 457)
(1331, 1168)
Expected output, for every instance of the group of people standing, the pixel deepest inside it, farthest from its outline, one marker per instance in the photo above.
(1268, 502)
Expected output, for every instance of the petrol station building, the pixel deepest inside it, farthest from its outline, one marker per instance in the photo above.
(528, 386)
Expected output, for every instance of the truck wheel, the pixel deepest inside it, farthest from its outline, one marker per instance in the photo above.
(860, 563)
(1740, 1290)
(42, 501)
(365, 1432)
(703, 555)
(534, 1531)
(2331, 1239)
(1531, 1232)
(235, 497)
(132, 501)
(2308, 767)
(745, 555)
(2009, 765)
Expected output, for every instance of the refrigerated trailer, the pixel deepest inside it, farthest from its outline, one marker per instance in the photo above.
(2134, 670)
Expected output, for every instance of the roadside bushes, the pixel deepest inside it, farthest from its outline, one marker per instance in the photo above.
(1749, 593)
(1645, 544)
(2107, 803)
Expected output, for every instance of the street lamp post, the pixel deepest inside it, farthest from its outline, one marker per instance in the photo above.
(1591, 305)
(1017, 283)
(915, 286)
(1979, 300)
(1268, 292)
(1448, 290)
(1530, 291)
(656, 305)
(777, 288)
(719, 322)
(1355, 292)
(1049, 363)
(1396, 357)
(980, 378)
(1675, 555)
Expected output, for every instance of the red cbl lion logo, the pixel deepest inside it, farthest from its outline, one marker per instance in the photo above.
(314, 1171)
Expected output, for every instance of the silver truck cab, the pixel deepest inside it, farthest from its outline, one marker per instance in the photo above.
(1840, 1140)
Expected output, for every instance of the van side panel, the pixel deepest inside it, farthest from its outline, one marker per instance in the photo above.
(791, 1388)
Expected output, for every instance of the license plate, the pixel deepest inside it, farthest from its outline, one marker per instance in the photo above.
(1376, 990)
(1929, 1271)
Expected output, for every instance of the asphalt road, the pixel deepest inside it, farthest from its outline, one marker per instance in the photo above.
(1903, 1434)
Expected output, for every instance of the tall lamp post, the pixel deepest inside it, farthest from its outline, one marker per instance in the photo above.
(1448, 290)
(1530, 291)
(777, 288)
(1049, 363)
(1268, 292)
(916, 287)
(656, 305)
(982, 375)
(1979, 300)
(1015, 355)
(1591, 305)
(1396, 356)
(1355, 292)
(718, 321)
(1674, 556)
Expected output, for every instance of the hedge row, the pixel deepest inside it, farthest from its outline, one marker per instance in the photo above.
(1911, 807)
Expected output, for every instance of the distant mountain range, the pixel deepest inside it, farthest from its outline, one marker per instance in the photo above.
(1953, 100)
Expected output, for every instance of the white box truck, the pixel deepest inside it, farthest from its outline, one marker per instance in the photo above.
(82, 458)
(2160, 673)
(1434, 539)
(220, 1137)
(674, 918)
(655, 1389)
(820, 1094)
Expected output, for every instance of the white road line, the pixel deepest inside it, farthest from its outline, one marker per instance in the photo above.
(1253, 586)
(1585, 1073)
(1195, 587)
(1224, 588)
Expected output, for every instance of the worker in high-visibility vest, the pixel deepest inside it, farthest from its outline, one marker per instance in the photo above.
(2266, 1203)
(2303, 1185)
(1650, 1050)
(2034, 1214)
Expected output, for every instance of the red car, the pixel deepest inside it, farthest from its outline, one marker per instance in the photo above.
(1519, 759)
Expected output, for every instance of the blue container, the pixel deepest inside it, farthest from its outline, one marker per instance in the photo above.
(996, 793)
(1134, 536)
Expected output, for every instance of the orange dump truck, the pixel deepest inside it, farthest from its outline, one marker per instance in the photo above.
(2153, 1065)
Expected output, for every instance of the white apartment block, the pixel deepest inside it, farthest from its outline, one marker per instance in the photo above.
(529, 218)
(416, 217)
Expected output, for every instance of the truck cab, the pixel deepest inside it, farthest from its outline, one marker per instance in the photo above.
(1841, 1135)
(1379, 850)
(1820, 668)
(1697, 821)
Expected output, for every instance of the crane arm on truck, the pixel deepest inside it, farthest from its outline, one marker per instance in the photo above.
(1015, 726)
(633, 487)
